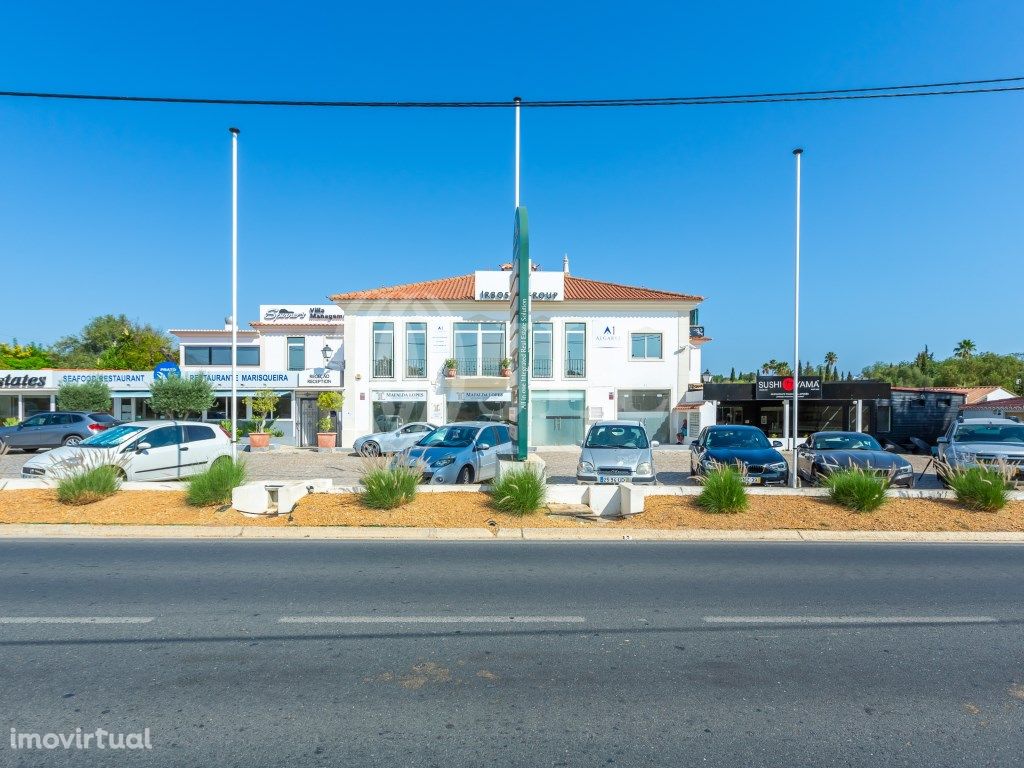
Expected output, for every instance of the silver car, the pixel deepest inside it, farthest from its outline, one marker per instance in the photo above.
(392, 441)
(464, 452)
(617, 452)
(973, 442)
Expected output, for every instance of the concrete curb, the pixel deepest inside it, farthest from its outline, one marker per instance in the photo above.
(340, 533)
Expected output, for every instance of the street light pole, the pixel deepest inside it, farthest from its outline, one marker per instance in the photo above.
(796, 325)
(517, 101)
(234, 292)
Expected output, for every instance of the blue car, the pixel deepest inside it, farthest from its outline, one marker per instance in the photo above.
(464, 452)
(762, 464)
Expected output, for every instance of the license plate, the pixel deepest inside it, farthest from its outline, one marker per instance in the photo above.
(612, 478)
(753, 480)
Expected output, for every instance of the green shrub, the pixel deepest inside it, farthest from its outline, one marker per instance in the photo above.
(214, 486)
(980, 489)
(519, 492)
(723, 491)
(11, 421)
(90, 395)
(856, 489)
(89, 485)
(388, 487)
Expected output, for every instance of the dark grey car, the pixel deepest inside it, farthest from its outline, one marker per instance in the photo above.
(51, 429)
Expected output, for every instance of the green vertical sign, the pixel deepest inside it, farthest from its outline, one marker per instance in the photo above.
(519, 295)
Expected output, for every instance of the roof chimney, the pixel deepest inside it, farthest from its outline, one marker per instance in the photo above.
(565, 263)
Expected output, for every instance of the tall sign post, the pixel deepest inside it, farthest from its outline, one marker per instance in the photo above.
(519, 306)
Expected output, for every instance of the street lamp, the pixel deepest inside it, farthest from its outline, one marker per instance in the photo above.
(234, 292)
(327, 352)
(706, 376)
(796, 323)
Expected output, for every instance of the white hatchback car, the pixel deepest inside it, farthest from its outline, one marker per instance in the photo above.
(145, 450)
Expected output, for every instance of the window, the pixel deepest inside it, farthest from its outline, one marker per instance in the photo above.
(194, 433)
(414, 429)
(503, 434)
(220, 355)
(645, 346)
(543, 351)
(416, 350)
(296, 353)
(488, 437)
(36, 421)
(575, 350)
(162, 437)
(883, 414)
(479, 348)
(384, 350)
(694, 317)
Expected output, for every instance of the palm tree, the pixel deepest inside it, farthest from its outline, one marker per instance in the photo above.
(831, 358)
(770, 366)
(964, 349)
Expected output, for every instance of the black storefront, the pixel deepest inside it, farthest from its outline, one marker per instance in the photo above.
(824, 405)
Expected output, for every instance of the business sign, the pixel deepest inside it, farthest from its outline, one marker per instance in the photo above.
(497, 286)
(285, 314)
(320, 377)
(606, 336)
(220, 379)
(479, 396)
(131, 381)
(398, 395)
(167, 370)
(519, 309)
(26, 380)
(781, 387)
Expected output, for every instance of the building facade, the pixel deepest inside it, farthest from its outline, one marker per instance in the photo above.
(598, 350)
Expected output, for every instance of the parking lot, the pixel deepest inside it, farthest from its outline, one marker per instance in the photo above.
(672, 465)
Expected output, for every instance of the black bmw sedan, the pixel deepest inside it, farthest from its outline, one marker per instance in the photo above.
(827, 452)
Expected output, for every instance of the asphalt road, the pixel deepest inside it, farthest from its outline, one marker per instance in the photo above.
(627, 654)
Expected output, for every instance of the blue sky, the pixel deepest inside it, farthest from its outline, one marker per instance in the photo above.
(912, 207)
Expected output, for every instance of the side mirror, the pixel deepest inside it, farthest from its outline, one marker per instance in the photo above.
(694, 446)
(776, 443)
(142, 447)
(943, 440)
(482, 446)
(655, 443)
(891, 448)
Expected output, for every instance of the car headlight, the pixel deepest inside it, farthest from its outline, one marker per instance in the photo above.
(584, 467)
(907, 470)
(643, 468)
(778, 466)
(444, 461)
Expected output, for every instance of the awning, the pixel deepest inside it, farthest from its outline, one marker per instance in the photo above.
(695, 406)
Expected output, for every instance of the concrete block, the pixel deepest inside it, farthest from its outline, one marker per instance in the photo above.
(251, 499)
(533, 463)
(288, 495)
(603, 500)
(631, 499)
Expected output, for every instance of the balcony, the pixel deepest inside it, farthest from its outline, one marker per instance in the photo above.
(575, 369)
(543, 368)
(471, 366)
(416, 369)
(384, 368)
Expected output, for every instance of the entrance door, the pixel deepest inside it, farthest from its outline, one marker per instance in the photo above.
(309, 414)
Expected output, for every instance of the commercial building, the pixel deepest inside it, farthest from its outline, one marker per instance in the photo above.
(599, 350)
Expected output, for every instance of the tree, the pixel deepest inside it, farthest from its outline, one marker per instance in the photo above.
(263, 404)
(329, 402)
(175, 397)
(964, 349)
(831, 358)
(24, 357)
(91, 395)
(732, 374)
(114, 341)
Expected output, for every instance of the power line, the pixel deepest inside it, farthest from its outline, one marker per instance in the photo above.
(955, 88)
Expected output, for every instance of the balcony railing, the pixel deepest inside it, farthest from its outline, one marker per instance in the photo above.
(384, 368)
(416, 369)
(542, 367)
(575, 369)
(471, 366)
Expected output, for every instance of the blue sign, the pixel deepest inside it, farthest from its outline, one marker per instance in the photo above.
(166, 371)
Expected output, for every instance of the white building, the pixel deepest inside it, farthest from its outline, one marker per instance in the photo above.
(599, 350)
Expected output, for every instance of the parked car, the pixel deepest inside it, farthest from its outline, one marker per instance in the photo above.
(974, 442)
(143, 450)
(826, 452)
(464, 452)
(52, 428)
(392, 441)
(616, 452)
(741, 445)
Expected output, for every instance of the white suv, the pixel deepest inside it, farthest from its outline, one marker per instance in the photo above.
(973, 442)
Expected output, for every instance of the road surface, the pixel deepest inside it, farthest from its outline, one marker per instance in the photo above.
(515, 653)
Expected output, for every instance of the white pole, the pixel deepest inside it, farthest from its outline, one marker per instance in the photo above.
(234, 292)
(796, 324)
(517, 101)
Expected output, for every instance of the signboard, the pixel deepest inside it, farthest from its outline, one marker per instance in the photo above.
(167, 370)
(130, 381)
(484, 396)
(781, 387)
(490, 285)
(519, 307)
(316, 378)
(285, 314)
(26, 380)
(398, 395)
(606, 336)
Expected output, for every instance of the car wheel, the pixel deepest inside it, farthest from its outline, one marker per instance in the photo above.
(370, 449)
(72, 440)
(465, 475)
(220, 461)
(121, 474)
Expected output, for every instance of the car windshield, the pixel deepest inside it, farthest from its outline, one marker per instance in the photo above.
(990, 433)
(449, 437)
(737, 438)
(113, 436)
(616, 436)
(845, 441)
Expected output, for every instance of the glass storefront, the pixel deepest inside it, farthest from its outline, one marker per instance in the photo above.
(8, 407)
(477, 410)
(557, 418)
(651, 406)
(388, 416)
(35, 405)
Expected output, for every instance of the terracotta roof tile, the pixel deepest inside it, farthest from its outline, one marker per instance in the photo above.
(972, 394)
(1012, 404)
(462, 289)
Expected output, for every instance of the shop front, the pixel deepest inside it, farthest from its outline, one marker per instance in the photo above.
(479, 405)
(557, 417)
(391, 408)
(650, 406)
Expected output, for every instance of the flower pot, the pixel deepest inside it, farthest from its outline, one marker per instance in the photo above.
(259, 439)
(506, 372)
(449, 372)
(326, 439)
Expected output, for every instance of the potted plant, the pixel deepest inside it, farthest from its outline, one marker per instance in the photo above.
(450, 366)
(327, 437)
(263, 405)
(506, 366)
